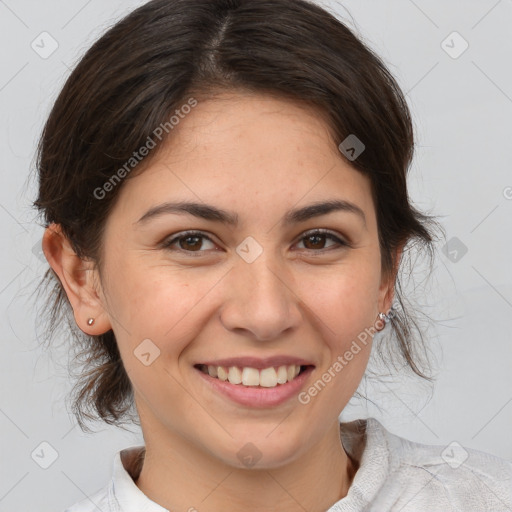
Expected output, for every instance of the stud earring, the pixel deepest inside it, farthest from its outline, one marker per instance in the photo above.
(384, 317)
(90, 321)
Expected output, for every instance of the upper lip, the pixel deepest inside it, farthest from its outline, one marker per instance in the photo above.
(258, 362)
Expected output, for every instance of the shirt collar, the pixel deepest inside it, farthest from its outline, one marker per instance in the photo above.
(126, 494)
(366, 441)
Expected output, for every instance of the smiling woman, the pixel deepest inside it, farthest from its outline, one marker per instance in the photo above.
(224, 190)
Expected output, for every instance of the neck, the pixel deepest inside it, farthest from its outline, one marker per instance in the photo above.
(179, 476)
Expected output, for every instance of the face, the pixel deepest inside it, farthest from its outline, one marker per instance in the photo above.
(253, 286)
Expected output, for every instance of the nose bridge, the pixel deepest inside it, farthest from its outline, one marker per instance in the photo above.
(264, 277)
(261, 300)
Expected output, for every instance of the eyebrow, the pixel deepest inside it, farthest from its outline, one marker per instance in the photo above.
(212, 213)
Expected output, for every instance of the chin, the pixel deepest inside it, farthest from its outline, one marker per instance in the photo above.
(260, 448)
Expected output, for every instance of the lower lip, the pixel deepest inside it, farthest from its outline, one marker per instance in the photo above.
(258, 397)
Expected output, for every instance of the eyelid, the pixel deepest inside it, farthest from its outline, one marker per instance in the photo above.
(322, 231)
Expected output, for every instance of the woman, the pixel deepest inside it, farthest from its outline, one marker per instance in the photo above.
(224, 191)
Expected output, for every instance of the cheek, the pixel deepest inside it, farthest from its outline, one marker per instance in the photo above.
(343, 299)
(166, 309)
(160, 303)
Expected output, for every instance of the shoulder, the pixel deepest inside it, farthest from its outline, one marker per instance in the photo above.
(437, 477)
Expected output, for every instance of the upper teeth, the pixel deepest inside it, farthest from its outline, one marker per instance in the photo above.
(268, 377)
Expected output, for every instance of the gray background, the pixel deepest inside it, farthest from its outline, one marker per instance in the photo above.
(462, 106)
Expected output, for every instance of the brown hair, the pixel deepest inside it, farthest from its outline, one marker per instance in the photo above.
(151, 63)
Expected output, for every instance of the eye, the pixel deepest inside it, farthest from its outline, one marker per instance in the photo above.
(189, 241)
(317, 237)
(193, 241)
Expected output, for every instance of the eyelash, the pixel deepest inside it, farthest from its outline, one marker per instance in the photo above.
(186, 234)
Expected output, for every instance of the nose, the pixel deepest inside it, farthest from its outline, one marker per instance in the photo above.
(261, 299)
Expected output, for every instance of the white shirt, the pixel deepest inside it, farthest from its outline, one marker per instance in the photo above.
(394, 474)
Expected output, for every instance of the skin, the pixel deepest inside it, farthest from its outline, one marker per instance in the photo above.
(259, 157)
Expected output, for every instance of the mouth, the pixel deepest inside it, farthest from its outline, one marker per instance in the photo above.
(246, 376)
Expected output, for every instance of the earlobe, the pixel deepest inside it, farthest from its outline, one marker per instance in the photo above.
(78, 278)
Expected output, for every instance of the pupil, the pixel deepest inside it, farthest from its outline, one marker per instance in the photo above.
(195, 244)
(317, 238)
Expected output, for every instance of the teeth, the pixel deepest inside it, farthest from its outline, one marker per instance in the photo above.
(250, 377)
(282, 375)
(267, 378)
(235, 375)
(221, 373)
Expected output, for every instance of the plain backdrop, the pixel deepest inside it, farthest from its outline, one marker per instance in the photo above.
(459, 88)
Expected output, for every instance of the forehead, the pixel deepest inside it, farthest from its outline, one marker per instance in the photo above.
(248, 151)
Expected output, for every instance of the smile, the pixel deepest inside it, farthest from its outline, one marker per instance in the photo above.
(255, 387)
(247, 376)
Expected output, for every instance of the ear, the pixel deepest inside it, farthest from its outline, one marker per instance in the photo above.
(79, 279)
(387, 286)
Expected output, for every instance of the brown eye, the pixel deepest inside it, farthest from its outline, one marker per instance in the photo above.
(316, 240)
(188, 242)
